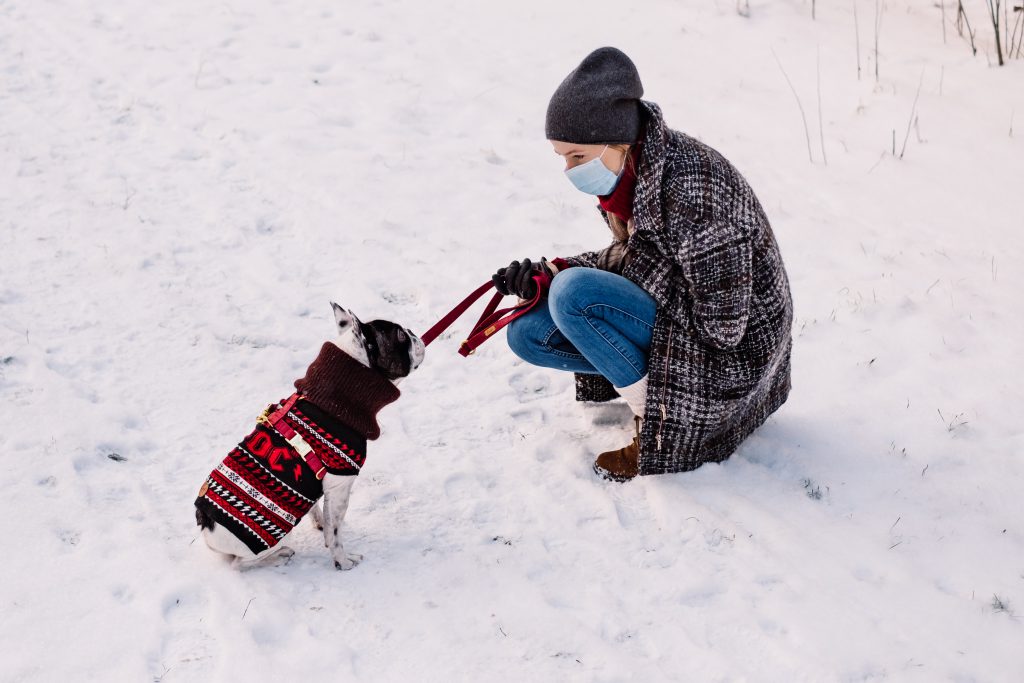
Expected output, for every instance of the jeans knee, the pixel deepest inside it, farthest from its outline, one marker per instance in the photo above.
(566, 294)
(520, 340)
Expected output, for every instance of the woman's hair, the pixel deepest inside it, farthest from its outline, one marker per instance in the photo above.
(625, 149)
(620, 231)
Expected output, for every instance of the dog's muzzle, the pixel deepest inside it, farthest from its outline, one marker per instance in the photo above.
(417, 350)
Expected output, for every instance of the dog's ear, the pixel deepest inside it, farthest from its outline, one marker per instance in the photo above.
(345, 318)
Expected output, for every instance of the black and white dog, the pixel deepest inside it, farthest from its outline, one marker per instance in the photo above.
(308, 446)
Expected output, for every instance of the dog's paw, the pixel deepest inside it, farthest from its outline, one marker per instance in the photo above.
(348, 562)
(280, 555)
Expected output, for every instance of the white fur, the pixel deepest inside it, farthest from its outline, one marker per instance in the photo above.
(350, 339)
(337, 489)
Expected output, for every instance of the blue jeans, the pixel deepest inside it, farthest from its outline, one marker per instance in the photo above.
(593, 322)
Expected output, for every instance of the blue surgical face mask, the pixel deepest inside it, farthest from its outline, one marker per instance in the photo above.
(594, 177)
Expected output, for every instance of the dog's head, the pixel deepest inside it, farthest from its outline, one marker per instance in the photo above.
(385, 346)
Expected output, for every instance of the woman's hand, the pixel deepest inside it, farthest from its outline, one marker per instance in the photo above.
(518, 278)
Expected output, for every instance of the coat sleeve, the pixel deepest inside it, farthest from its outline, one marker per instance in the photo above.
(715, 259)
(587, 259)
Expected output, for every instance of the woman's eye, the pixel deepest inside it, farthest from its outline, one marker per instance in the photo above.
(577, 157)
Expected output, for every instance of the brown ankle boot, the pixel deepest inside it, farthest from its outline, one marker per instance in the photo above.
(621, 464)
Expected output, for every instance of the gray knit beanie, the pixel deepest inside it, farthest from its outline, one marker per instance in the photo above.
(599, 102)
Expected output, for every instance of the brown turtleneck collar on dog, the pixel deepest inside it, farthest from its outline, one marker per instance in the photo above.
(347, 390)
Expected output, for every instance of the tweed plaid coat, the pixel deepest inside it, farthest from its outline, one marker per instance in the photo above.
(703, 248)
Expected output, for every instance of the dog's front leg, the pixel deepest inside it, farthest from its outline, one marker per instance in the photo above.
(337, 490)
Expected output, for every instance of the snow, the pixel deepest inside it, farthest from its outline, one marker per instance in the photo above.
(185, 187)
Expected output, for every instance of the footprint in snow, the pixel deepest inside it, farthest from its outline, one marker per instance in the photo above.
(529, 386)
(184, 641)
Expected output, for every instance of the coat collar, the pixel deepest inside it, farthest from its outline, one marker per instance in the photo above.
(647, 208)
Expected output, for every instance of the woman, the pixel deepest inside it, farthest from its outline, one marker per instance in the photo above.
(687, 314)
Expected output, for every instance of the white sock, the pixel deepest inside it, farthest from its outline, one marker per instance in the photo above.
(635, 395)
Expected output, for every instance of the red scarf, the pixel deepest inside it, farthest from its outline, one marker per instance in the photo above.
(620, 201)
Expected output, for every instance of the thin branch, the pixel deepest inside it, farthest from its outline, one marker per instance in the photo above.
(913, 110)
(961, 22)
(856, 35)
(1014, 40)
(803, 116)
(942, 4)
(821, 120)
(879, 8)
(993, 11)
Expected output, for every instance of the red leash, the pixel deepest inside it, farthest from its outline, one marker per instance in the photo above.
(490, 321)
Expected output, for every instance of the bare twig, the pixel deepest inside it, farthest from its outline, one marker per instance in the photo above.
(942, 4)
(1018, 23)
(1000, 604)
(803, 116)
(961, 22)
(856, 35)
(880, 158)
(879, 8)
(1015, 37)
(821, 120)
(913, 109)
(993, 12)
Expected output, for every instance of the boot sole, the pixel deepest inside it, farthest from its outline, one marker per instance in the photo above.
(605, 474)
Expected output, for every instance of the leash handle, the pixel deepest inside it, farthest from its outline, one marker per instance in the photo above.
(491, 320)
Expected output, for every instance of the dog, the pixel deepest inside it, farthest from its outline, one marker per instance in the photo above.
(308, 446)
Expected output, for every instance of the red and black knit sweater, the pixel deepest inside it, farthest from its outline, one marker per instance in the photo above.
(264, 487)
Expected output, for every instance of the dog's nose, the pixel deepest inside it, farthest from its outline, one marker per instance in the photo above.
(419, 350)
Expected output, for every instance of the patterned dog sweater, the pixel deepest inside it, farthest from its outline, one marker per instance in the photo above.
(261, 490)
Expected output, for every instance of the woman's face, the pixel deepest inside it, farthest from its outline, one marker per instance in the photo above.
(576, 154)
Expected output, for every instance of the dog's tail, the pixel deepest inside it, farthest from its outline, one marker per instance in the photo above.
(204, 520)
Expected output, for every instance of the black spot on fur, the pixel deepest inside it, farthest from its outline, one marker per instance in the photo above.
(204, 520)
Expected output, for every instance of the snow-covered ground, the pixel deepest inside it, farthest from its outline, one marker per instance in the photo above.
(185, 185)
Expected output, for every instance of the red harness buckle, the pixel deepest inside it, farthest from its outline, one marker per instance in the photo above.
(277, 422)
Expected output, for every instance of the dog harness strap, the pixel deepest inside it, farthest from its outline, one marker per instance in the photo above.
(491, 320)
(294, 439)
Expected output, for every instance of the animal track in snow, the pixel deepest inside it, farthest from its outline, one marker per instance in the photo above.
(530, 386)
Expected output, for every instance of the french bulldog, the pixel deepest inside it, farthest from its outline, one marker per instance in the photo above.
(308, 446)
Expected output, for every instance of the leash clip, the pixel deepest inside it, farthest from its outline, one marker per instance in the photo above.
(264, 417)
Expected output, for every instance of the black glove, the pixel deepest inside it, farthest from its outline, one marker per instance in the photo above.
(517, 278)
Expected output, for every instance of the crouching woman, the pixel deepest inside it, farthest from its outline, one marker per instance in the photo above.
(687, 314)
